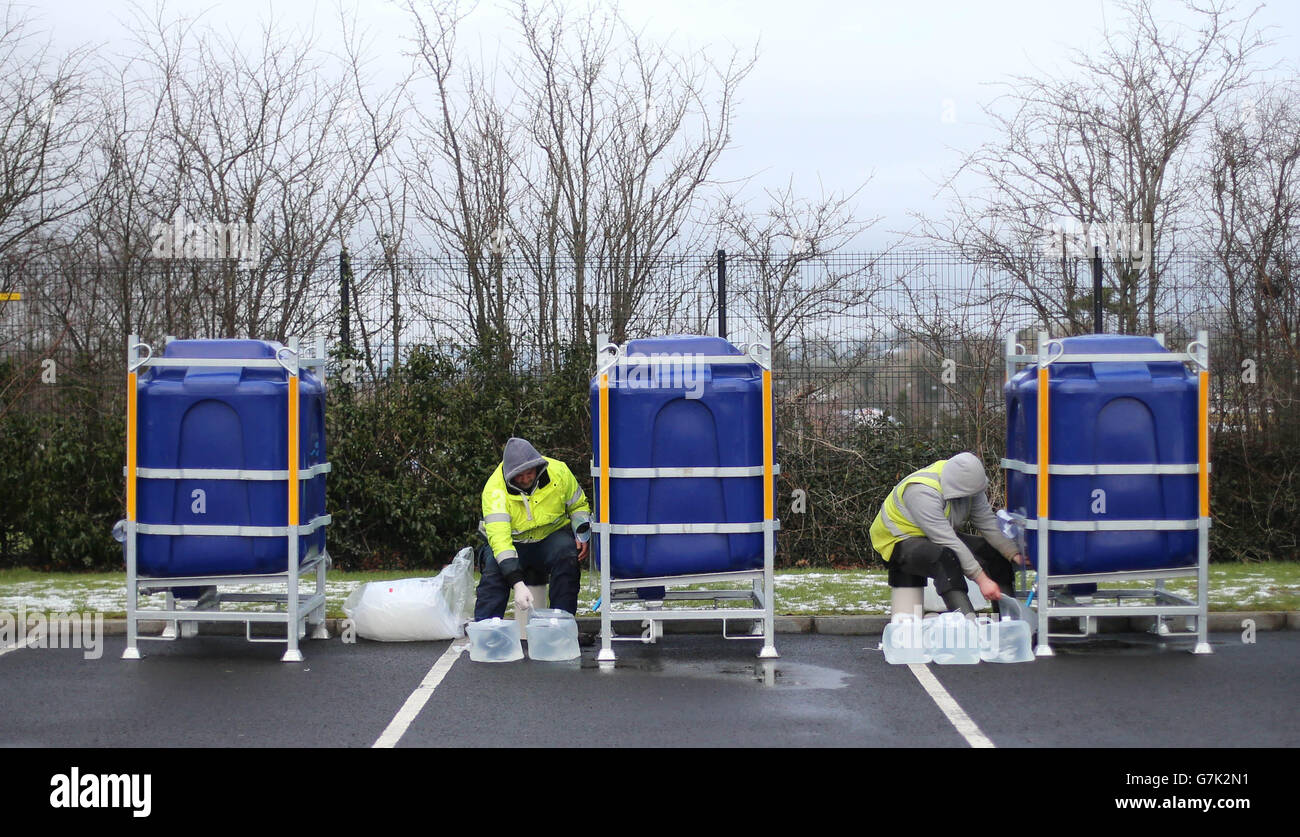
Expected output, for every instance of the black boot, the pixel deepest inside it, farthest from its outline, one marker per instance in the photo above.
(958, 600)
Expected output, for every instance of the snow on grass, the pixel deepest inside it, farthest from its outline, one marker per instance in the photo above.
(798, 592)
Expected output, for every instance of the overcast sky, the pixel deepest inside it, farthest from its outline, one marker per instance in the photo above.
(842, 91)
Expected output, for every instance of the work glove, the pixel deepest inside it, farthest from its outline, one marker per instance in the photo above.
(523, 597)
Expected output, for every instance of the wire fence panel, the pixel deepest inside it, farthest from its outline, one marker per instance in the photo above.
(903, 335)
(900, 353)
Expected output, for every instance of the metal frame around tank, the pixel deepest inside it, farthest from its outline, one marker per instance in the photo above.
(1051, 598)
(761, 590)
(299, 610)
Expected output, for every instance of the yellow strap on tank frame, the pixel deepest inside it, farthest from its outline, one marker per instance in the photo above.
(769, 500)
(293, 450)
(1203, 441)
(130, 444)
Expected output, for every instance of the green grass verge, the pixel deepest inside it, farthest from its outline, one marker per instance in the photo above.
(805, 592)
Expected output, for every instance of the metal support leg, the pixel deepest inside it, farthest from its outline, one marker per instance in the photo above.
(759, 626)
(293, 431)
(769, 509)
(1159, 627)
(1044, 648)
(1043, 594)
(171, 631)
(606, 654)
(1203, 485)
(319, 631)
(132, 651)
(292, 654)
(769, 588)
(1203, 589)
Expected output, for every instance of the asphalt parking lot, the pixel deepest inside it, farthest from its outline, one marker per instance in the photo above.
(688, 690)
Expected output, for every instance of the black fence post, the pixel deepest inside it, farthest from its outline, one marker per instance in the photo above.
(345, 325)
(1098, 321)
(722, 294)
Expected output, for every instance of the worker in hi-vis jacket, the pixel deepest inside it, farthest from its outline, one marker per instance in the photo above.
(538, 527)
(915, 531)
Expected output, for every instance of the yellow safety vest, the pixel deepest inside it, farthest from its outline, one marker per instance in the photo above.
(892, 524)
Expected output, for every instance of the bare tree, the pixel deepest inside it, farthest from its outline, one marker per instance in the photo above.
(668, 120)
(461, 166)
(207, 134)
(566, 182)
(1252, 210)
(45, 119)
(1113, 141)
(791, 281)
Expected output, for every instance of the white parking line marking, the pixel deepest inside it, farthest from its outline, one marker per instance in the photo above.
(950, 707)
(415, 702)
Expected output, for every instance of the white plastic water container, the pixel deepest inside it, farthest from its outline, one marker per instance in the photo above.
(904, 641)
(1012, 608)
(552, 635)
(1007, 641)
(494, 641)
(952, 639)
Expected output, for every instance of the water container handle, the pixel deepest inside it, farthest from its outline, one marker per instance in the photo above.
(280, 360)
(1191, 351)
(148, 355)
(1050, 358)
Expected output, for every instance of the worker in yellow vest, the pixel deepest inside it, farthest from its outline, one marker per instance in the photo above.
(538, 527)
(915, 531)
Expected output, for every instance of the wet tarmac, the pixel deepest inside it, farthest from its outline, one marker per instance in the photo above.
(688, 690)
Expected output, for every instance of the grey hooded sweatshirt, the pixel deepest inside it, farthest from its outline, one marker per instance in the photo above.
(518, 456)
(963, 484)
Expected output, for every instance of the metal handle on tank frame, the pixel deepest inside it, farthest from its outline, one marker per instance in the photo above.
(755, 349)
(1191, 346)
(614, 350)
(287, 368)
(142, 361)
(1050, 359)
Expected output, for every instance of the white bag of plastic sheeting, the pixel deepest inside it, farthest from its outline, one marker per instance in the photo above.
(416, 609)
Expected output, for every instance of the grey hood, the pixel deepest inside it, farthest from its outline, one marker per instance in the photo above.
(963, 476)
(518, 456)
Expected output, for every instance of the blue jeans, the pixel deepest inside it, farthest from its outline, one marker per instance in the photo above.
(552, 560)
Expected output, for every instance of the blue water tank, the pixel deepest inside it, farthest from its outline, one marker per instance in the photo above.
(683, 415)
(227, 418)
(1109, 413)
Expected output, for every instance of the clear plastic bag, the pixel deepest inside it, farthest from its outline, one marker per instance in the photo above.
(416, 609)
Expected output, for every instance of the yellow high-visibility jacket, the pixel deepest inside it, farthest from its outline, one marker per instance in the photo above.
(510, 516)
(892, 523)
